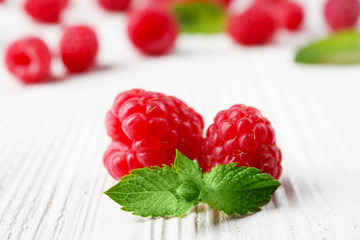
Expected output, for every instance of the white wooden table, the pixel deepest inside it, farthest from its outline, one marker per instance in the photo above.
(52, 136)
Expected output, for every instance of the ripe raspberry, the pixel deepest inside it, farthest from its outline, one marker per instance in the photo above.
(146, 128)
(291, 14)
(341, 14)
(28, 59)
(114, 5)
(241, 134)
(256, 25)
(78, 48)
(45, 10)
(152, 30)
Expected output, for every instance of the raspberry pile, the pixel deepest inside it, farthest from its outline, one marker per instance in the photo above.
(28, 59)
(78, 48)
(342, 14)
(259, 23)
(146, 128)
(241, 134)
(152, 30)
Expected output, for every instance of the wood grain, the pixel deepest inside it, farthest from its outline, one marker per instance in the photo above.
(53, 135)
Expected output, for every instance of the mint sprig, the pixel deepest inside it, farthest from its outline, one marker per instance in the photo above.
(173, 191)
(340, 48)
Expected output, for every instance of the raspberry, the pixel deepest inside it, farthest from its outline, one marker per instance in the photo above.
(256, 25)
(152, 30)
(28, 59)
(341, 14)
(78, 48)
(146, 128)
(45, 10)
(114, 5)
(292, 14)
(289, 14)
(241, 134)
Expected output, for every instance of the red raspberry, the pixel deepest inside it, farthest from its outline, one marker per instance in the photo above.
(152, 30)
(78, 48)
(146, 128)
(341, 14)
(289, 14)
(256, 25)
(28, 59)
(241, 134)
(114, 5)
(45, 10)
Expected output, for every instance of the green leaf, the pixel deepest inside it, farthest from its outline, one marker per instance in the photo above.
(237, 190)
(200, 17)
(191, 175)
(188, 170)
(151, 192)
(340, 48)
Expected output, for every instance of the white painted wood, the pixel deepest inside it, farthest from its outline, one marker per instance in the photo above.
(53, 136)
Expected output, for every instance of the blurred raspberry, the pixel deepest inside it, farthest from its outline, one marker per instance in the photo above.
(241, 134)
(341, 14)
(152, 30)
(289, 14)
(256, 25)
(78, 48)
(48, 11)
(114, 5)
(28, 59)
(146, 128)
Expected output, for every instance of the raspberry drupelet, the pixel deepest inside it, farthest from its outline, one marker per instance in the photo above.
(146, 128)
(241, 134)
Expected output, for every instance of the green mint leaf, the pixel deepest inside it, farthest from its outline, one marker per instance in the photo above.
(156, 192)
(200, 17)
(191, 175)
(188, 170)
(341, 48)
(237, 190)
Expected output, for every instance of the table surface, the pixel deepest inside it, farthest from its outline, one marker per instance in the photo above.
(53, 135)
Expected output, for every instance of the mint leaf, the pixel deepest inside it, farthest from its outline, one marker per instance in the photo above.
(188, 170)
(152, 192)
(237, 190)
(340, 48)
(200, 17)
(191, 175)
